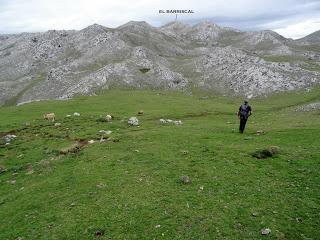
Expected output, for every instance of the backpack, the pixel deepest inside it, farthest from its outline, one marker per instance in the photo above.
(244, 110)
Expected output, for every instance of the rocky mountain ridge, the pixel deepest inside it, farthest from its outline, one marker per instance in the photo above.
(59, 64)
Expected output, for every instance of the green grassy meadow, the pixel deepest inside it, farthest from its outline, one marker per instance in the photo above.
(128, 187)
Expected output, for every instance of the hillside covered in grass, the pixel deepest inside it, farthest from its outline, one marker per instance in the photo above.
(127, 184)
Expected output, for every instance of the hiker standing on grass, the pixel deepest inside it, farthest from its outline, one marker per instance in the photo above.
(243, 114)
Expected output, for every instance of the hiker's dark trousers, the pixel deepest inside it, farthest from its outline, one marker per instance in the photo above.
(243, 121)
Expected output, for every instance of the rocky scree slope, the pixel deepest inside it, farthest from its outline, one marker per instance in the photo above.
(59, 64)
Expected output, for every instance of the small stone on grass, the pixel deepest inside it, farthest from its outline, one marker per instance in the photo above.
(185, 180)
(265, 231)
(254, 214)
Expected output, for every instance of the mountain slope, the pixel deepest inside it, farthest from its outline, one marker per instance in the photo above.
(313, 38)
(60, 64)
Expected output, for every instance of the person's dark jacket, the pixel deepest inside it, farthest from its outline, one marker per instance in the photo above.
(244, 111)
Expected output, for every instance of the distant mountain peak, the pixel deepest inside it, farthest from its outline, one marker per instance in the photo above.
(207, 23)
(175, 24)
(94, 28)
(136, 23)
(313, 38)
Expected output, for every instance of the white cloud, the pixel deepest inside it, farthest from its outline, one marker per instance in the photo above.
(300, 29)
(41, 15)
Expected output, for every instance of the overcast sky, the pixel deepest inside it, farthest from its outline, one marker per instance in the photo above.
(290, 18)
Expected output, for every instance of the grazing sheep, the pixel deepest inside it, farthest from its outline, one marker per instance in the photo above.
(49, 117)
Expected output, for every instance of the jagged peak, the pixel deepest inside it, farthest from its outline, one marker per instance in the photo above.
(271, 32)
(94, 29)
(135, 23)
(205, 23)
(267, 34)
(94, 26)
(212, 25)
(175, 24)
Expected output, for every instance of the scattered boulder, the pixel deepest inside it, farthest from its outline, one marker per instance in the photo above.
(2, 169)
(266, 153)
(91, 141)
(108, 118)
(101, 185)
(169, 121)
(105, 132)
(184, 152)
(178, 122)
(163, 121)
(74, 148)
(265, 231)
(8, 138)
(185, 179)
(140, 112)
(57, 124)
(274, 149)
(29, 170)
(76, 114)
(99, 233)
(49, 116)
(259, 132)
(254, 214)
(12, 181)
(68, 115)
(133, 121)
